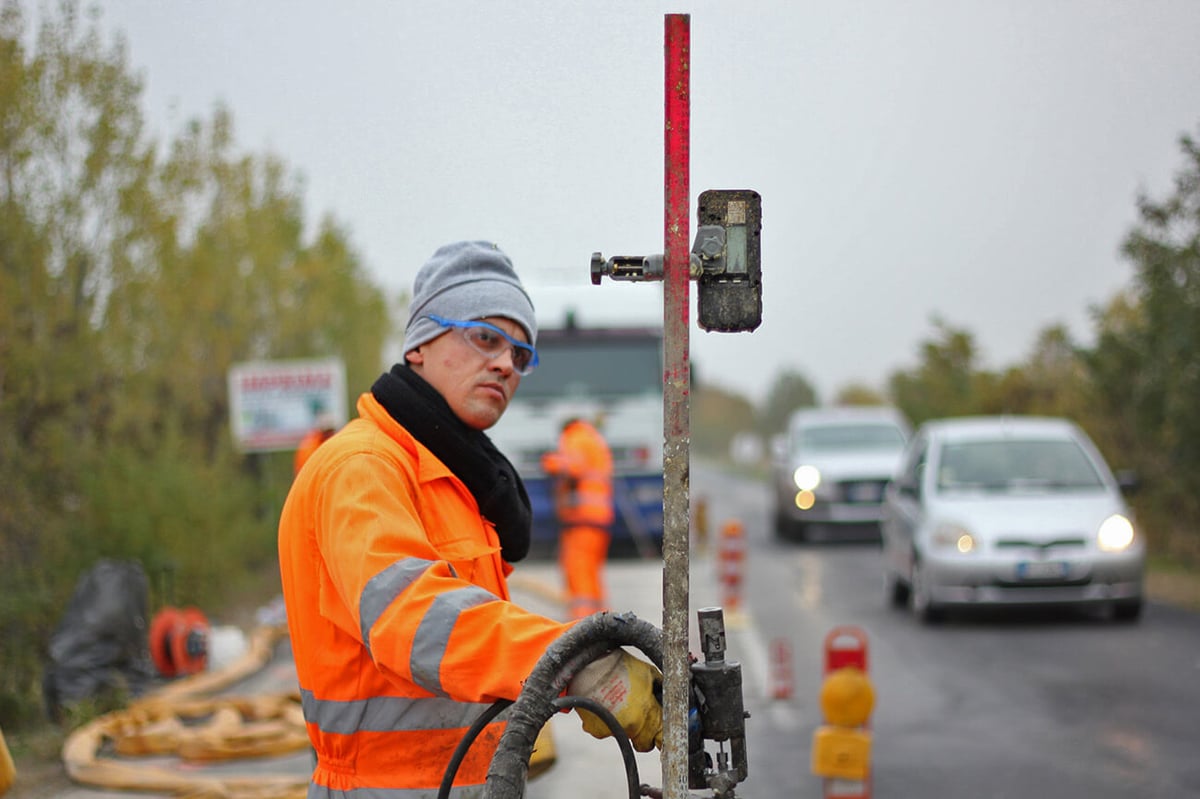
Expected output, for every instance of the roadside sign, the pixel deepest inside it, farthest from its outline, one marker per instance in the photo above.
(272, 404)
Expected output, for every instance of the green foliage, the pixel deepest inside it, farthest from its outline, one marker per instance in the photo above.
(716, 417)
(1146, 365)
(859, 394)
(789, 392)
(189, 521)
(131, 278)
(1112, 367)
(945, 383)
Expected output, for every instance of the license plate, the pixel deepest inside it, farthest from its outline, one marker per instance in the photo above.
(863, 492)
(1042, 570)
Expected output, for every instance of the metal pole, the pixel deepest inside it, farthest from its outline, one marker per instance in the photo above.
(676, 388)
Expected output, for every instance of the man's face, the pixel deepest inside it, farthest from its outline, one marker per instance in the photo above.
(476, 387)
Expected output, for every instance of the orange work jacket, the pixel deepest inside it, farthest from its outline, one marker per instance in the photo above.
(399, 614)
(582, 468)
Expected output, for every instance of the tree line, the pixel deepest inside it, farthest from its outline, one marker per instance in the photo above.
(133, 274)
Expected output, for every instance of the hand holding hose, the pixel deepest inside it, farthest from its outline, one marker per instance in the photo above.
(627, 686)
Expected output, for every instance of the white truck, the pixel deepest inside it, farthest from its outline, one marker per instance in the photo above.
(611, 375)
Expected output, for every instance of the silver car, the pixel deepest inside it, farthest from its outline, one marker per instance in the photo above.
(1011, 511)
(831, 467)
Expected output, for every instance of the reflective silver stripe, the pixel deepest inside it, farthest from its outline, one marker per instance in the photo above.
(388, 714)
(433, 631)
(595, 497)
(433, 634)
(457, 792)
(382, 589)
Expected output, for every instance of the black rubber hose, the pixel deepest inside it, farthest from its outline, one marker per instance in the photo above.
(493, 710)
(562, 703)
(464, 744)
(588, 640)
(618, 732)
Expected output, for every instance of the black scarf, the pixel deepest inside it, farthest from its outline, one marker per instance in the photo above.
(467, 452)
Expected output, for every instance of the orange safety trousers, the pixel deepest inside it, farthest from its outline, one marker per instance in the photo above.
(582, 552)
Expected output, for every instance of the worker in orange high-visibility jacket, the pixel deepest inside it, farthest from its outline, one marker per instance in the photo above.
(323, 429)
(583, 502)
(395, 543)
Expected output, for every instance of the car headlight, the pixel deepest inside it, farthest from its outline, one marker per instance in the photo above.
(953, 536)
(1115, 534)
(805, 500)
(806, 477)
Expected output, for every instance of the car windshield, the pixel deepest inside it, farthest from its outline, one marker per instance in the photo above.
(842, 437)
(1016, 466)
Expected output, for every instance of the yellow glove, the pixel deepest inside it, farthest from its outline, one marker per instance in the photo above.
(544, 755)
(625, 685)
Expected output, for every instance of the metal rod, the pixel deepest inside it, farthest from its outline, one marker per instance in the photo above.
(676, 421)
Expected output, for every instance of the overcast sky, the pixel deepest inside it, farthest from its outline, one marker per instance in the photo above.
(974, 160)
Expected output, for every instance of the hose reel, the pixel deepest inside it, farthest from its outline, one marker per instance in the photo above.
(179, 640)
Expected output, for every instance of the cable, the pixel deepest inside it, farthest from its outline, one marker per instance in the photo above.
(464, 744)
(570, 668)
(588, 640)
(562, 703)
(618, 732)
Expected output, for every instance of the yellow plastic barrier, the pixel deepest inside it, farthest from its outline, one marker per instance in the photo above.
(841, 748)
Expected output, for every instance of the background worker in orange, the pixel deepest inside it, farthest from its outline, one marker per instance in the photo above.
(395, 543)
(323, 429)
(583, 501)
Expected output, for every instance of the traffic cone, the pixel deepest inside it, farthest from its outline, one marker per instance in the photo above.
(782, 684)
(731, 564)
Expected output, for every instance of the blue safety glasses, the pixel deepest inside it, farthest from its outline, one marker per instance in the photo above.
(490, 342)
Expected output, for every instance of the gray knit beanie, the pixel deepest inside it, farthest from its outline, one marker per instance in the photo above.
(466, 280)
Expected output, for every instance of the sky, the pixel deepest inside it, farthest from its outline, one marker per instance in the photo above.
(978, 162)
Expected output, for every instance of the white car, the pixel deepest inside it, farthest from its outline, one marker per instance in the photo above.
(1009, 510)
(831, 467)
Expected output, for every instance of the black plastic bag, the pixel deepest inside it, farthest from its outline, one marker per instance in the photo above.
(100, 647)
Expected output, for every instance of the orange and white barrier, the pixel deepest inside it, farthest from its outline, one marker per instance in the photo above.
(782, 681)
(731, 564)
